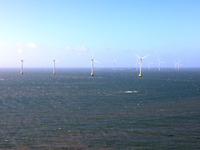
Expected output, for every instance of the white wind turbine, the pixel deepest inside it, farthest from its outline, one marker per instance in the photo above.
(149, 65)
(141, 58)
(136, 65)
(54, 66)
(113, 64)
(159, 62)
(92, 65)
(177, 64)
(22, 69)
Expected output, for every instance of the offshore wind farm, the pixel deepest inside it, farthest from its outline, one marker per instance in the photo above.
(138, 59)
(99, 75)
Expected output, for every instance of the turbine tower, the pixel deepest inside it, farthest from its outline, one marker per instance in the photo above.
(113, 65)
(149, 65)
(22, 69)
(136, 65)
(159, 62)
(141, 58)
(92, 67)
(177, 64)
(54, 65)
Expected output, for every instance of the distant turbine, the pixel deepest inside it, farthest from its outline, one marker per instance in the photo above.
(177, 64)
(136, 65)
(140, 74)
(92, 65)
(149, 65)
(159, 62)
(22, 69)
(113, 65)
(54, 65)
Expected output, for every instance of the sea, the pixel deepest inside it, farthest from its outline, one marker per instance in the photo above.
(112, 110)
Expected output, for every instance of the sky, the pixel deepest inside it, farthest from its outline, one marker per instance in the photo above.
(74, 31)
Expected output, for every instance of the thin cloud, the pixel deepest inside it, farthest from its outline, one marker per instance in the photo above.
(78, 48)
(31, 45)
(68, 48)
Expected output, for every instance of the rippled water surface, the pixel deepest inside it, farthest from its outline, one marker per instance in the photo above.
(112, 110)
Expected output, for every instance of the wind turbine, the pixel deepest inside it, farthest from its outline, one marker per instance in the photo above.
(92, 65)
(54, 65)
(113, 65)
(22, 69)
(159, 62)
(141, 58)
(149, 65)
(177, 64)
(136, 64)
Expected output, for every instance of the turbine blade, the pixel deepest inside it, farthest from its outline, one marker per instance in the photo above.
(92, 56)
(96, 61)
(137, 56)
(145, 56)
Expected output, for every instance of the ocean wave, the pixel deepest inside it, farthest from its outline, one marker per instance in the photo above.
(130, 92)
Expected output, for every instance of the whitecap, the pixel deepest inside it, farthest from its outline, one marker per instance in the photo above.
(129, 92)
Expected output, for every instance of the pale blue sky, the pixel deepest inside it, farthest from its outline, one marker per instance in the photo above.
(71, 31)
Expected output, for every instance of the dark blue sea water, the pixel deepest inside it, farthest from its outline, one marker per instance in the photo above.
(112, 110)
